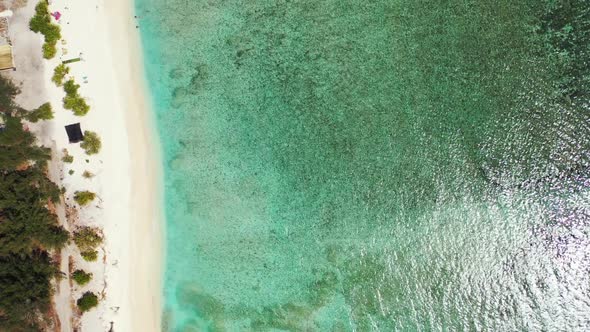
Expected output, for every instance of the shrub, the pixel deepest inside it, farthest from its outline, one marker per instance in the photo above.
(81, 277)
(49, 51)
(87, 238)
(77, 104)
(87, 175)
(52, 34)
(59, 73)
(84, 197)
(43, 112)
(41, 18)
(71, 88)
(88, 301)
(41, 23)
(90, 255)
(72, 100)
(67, 158)
(91, 143)
(71, 172)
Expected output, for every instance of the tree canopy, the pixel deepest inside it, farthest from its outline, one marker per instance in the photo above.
(25, 290)
(29, 229)
(43, 112)
(17, 146)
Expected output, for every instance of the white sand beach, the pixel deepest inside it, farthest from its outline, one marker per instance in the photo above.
(127, 273)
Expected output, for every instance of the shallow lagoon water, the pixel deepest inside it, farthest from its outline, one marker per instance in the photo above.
(373, 166)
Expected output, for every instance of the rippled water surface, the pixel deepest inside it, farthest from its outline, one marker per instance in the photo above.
(380, 165)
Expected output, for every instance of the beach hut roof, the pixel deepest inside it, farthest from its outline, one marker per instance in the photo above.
(6, 61)
(74, 133)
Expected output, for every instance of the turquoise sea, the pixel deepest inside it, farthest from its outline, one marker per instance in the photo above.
(377, 165)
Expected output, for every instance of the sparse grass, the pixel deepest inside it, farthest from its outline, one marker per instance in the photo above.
(90, 255)
(67, 158)
(84, 197)
(87, 238)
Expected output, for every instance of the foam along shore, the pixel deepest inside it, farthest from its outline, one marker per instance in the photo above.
(127, 274)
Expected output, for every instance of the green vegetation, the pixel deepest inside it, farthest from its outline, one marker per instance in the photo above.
(7, 93)
(28, 229)
(49, 50)
(81, 277)
(25, 222)
(91, 143)
(41, 23)
(18, 146)
(87, 238)
(84, 197)
(59, 74)
(73, 101)
(43, 112)
(90, 255)
(25, 290)
(71, 172)
(88, 301)
(67, 158)
(87, 175)
(70, 87)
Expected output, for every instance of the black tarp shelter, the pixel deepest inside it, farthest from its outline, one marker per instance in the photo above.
(74, 133)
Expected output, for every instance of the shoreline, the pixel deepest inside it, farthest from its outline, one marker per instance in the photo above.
(147, 178)
(146, 196)
(127, 171)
